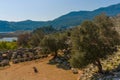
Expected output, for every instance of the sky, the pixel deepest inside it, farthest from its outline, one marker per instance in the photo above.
(44, 10)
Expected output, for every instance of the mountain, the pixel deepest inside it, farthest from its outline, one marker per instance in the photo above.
(27, 25)
(5, 27)
(75, 18)
(66, 21)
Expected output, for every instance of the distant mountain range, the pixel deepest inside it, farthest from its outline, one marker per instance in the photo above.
(69, 20)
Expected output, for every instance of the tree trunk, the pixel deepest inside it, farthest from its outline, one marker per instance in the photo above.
(55, 55)
(100, 70)
(99, 65)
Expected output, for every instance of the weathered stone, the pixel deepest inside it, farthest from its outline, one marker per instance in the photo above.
(4, 63)
(15, 61)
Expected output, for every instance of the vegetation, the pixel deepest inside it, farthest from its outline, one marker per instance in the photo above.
(8, 46)
(39, 34)
(95, 40)
(90, 43)
(23, 40)
(54, 43)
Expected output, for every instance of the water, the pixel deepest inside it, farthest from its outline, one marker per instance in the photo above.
(9, 39)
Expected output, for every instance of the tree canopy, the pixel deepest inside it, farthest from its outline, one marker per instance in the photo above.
(95, 40)
(54, 42)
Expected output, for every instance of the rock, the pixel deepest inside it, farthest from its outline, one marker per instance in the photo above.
(35, 69)
(74, 70)
(21, 60)
(4, 63)
(15, 61)
(37, 57)
(52, 61)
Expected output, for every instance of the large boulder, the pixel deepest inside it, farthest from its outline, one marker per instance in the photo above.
(74, 70)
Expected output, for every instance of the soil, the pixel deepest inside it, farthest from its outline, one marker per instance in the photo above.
(25, 71)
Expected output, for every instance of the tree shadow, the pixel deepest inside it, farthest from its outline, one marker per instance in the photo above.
(113, 74)
(60, 62)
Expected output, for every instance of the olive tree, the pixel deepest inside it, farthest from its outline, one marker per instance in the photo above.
(93, 41)
(23, 39)
(53, 43)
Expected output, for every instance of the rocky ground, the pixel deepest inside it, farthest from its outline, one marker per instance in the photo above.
(111, 67)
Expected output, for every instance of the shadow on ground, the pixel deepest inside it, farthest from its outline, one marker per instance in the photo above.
(60, 62)
(113, 74)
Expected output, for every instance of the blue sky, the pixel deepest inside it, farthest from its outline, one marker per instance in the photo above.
(43, 10)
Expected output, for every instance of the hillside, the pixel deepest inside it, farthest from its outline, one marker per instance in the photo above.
(75, 18)
(66, 21)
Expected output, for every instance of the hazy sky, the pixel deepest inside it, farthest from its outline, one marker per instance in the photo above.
(43, 10)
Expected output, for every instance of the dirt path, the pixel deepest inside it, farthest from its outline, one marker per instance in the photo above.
(24, 71)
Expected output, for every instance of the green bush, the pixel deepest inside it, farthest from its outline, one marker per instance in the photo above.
(8, 45)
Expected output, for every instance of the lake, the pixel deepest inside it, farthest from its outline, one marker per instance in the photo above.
(9, 39)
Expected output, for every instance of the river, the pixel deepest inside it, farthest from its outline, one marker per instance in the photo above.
(9, 39)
